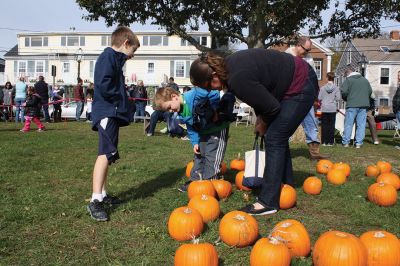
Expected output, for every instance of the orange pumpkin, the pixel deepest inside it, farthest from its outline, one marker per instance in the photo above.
(185, 223)
(390, 179)
(382, 248)
(200, 187)
(372, 171)
(384, 167)
(237, 164)
(196, 254)
(342, 166)
(189, 167)
(288, 197)
(222, 187)
(223, 169)
(335, 248)
(294, 235)
(239, 181)
(323, 166)
(312, 185)
(269, 252)
(238, 229)
(336, 177)
(207, 206)
(382, 194)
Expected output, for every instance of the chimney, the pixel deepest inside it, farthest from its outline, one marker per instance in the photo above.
(395, 35)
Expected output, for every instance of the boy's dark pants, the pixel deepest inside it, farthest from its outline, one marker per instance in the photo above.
(328, 128)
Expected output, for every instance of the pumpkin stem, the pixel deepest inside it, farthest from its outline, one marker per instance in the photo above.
(238, 155)
(187, 211)
(195, 240)
(204, 197)
(240, 217)
(200, 176)
(273, 240)
(379, 234)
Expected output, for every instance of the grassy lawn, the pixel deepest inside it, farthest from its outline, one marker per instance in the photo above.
(45, 185)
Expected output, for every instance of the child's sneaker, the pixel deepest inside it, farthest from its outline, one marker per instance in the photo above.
(23, 130)
(97, 211)
(111, 200)
(164, 130)
(41, 130)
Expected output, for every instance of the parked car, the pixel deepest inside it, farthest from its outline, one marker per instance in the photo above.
(68, 110)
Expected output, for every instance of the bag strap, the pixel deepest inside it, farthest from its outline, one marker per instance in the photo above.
(255, 145)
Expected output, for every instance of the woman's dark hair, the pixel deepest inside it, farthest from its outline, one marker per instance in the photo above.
(7, 83)
(205, 66)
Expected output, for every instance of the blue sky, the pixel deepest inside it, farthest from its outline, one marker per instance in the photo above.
(59, 15)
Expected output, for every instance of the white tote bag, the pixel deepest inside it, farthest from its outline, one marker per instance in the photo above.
(255, 163)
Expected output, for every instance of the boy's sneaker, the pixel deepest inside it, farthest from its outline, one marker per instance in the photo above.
(358, 146)
(345, 145)
(41, 129)
(97, 211)
(23, 130)
(164, 130)
(376, 142)
(185, 138)
(184, 187)
(111, 200)
(263, 211)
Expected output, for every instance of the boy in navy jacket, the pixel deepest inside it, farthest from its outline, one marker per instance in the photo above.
(110, 111)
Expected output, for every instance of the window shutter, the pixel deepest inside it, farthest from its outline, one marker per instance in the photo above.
(187, 69)
(172, 68)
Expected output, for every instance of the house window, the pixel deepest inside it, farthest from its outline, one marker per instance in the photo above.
(202, 40)
(66, 67)
(150, 67)
(36, 41)
(318, 68)
(31, 68)
(21, 68)
(155, 40)
(39, 68)
(180, 69)
(105, 41)
(385, 49)
(384, 75)
(383, 101)
(72, 40)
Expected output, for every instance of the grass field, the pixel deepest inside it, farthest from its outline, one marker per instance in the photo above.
(45, 185)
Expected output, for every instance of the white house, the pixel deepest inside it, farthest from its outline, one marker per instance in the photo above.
(159, 57)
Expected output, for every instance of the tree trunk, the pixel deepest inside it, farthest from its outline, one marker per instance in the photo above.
(257, 29)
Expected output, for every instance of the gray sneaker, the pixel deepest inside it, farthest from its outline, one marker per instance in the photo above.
(358, 146)
(97, 211)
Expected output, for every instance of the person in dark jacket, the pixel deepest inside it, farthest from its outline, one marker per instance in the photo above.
(42, 89)
(396, 101)
(110, 111)
(140, 95)
(79, 98)
(281, 88)
(32, 111)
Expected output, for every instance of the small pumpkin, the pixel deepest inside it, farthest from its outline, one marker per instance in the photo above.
(185, 223)
(269, 252)
(384, 167)
(200, 187)
(189, 167)
(196, 254)
(222, 187)
(382, 194)
(207, 206)
(237, 164)
(239, 181)
(288, 197)
(343, 166)
(390, 179)
(372, 171)
(323, 166)
(238, 229)
(336, 177)
(382, 248)
(335, 248)
(312, 185)
(294, 235)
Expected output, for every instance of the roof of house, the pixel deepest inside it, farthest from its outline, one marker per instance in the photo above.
(13, 51)
(372, 49)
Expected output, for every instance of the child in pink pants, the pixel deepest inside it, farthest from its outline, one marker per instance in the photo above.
(32, 111)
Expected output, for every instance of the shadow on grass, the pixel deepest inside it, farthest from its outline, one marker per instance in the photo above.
(299, 152)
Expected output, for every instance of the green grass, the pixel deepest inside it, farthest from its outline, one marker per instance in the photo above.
(45, 183)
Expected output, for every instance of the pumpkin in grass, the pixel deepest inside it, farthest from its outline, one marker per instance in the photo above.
(335, 248)
(294, 235)
(382, 194)
(206, 205)
(222, 187)
(185, 223)
(323, 166)
(372, 171)
(390, 179)
(196, 254)
(384, 167)
(223, 169)
(237, 164)
(200, 187)
(342, 166)
(312, 185)
(271, 252)
(239, 181)
(382, 248)
(288, 197)
(189, 167)
(238, 229)
(336, 177)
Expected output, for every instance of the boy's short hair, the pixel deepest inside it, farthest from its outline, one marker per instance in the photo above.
(122, 34)
(330, 76)
(163, 95)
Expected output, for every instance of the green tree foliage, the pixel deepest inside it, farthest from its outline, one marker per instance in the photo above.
(267, 22)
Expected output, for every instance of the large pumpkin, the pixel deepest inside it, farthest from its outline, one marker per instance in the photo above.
(200, 187)
(185, 223)
(288, 197)
(343, 166)
(336, 248)
(382, 248)
(336, 177)
(312, 185)
(239, 181)
(323, 166)
(384, 167)
(238, 229)
(294, 235)
(189, 167)
(207, 206)
(203, 254)
(390, 179)
(269, 252)
(372, 171)
(382, 194)
(237, 164)
(222, 187)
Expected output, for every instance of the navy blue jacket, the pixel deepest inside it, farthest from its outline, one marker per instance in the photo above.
(110, 97)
